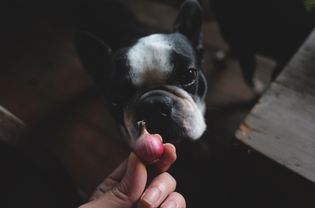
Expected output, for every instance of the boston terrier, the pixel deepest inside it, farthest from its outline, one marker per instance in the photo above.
(155, 77)
(275, 29)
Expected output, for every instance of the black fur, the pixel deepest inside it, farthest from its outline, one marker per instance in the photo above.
(108, 32)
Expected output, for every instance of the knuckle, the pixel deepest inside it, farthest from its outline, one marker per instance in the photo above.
(121, 192)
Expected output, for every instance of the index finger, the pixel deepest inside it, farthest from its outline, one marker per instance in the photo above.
(167, 159)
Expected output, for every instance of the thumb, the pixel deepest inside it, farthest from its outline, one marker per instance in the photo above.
(126, 192)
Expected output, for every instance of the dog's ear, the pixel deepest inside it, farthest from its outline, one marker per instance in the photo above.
(95, 56)
(189, 21)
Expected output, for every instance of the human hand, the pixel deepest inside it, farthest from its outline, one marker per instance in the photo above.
(128, 185)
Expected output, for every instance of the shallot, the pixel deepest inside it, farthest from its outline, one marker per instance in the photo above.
(149, 147)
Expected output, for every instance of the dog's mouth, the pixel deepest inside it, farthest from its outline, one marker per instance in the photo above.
(170, 112)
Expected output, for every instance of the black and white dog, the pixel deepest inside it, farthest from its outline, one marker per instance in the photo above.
(152, 77)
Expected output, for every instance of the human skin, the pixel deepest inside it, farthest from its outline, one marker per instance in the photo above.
(128, 186)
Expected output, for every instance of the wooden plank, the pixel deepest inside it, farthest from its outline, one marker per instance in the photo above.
(282, 124)
(12, 129)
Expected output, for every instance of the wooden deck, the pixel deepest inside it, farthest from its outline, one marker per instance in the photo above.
(282, 125)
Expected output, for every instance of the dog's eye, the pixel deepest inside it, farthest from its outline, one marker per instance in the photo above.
(189, 77)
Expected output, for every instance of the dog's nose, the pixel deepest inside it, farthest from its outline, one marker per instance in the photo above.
(154, 108)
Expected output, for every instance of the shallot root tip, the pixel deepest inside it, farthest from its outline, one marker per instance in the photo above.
(142, 127)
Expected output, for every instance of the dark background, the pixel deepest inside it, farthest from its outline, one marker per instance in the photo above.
(74, 143)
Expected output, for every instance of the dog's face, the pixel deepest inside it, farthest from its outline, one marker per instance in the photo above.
(158, 79)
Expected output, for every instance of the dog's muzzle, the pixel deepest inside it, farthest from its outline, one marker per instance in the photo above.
(155, 107)
(172, 113)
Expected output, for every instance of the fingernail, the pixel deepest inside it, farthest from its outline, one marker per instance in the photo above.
(152, 196)
(170, 204)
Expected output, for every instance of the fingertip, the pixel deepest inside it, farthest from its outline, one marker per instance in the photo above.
(175, 199)
(170, 147)
(170, 151)
(168, 158)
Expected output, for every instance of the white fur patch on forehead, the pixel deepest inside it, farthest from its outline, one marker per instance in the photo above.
(149, 60)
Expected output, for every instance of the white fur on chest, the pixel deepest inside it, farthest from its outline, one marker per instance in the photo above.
(150, 60)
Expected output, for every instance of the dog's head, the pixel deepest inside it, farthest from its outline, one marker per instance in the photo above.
(157, 79)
